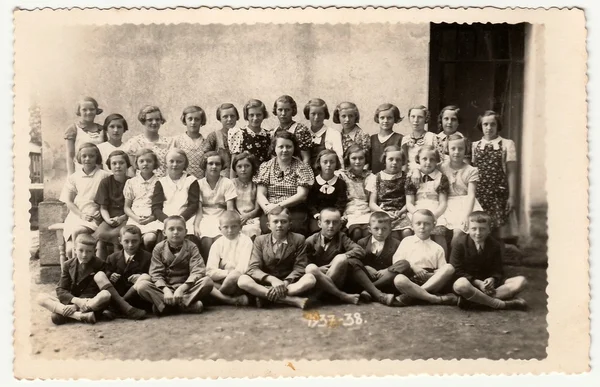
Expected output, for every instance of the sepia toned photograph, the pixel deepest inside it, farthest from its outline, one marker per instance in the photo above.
(296, 185)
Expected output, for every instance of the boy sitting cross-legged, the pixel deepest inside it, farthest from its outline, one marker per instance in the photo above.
(177, 279)
(123, 269)
(477, 259)
(276, 271)
(429, 274)
(328, 253)
(228, 260)
(78, 295)
(376, 272)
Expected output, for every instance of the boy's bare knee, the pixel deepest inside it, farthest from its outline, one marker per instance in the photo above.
(100, 276)
(521, 282)
(234, 275)
(103, 296)
(447, 269)
(401, 281)
(245, 281)
(310, 279)
(341, 259)
(142, 283)
(461, 285)
(312, 269)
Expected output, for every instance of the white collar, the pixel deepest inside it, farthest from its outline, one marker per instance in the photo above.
(320, 132)
(419, 240)
(128, 257)
(91, 174)
(495, 142)
(384, 139)
(376, 242)
(275, 241)
(434, 175)
(322, 181)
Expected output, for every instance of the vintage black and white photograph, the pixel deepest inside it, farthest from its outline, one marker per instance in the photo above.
(245, 185)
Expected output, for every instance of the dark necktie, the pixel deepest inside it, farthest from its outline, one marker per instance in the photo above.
(426, 178)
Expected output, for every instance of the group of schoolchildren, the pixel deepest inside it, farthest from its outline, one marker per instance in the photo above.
(399, 220)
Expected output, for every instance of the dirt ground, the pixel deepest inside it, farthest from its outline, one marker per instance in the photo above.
(231, 333)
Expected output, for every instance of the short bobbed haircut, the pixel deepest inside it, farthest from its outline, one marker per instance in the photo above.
(255, 103)
(194, 109)
(147, 110)
(455, 137)
(449, 108)
(385, 107)
(428, 148)
(90, 145)
(179, 152)
(393, 148)
(205, 157)
(345, 106)
(115, 117)
(225, 106)
(380, 217)
(130, 229)
(88, 99)
(326, 152)
(286, 99)
(317, 103)
(285, 135)
(117, 153)
(354, 148)
(146, 151)
(489, 113)
(245, 155)
(480, 217)
(423, 108)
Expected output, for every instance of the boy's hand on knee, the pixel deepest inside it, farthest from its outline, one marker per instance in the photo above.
(85, 307)
(488, 283)
(178, 295)
(114, 277)
(133, 278)
(488, 286)
(69, 310)
(421, 275)
(168, 296)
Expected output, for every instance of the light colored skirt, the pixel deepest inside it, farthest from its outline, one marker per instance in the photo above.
(252, 227)
(456, 213)
(209, 226)
(73, 222)
(431, 205)
(107, 233)
(146, 228)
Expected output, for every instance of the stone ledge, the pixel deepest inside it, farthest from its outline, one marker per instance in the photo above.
(50, 212)
(48, 274)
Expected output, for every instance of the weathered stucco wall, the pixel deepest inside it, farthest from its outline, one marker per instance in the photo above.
(172, 66)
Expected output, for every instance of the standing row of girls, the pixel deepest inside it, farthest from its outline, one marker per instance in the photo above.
(188, 175)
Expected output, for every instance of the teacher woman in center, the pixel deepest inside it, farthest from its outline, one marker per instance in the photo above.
(284, 181)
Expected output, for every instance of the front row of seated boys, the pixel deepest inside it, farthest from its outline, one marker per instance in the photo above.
(285, 268)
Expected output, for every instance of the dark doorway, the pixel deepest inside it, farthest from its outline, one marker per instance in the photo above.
(478, 67)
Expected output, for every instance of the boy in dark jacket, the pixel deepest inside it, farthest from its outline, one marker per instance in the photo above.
(477, 260)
